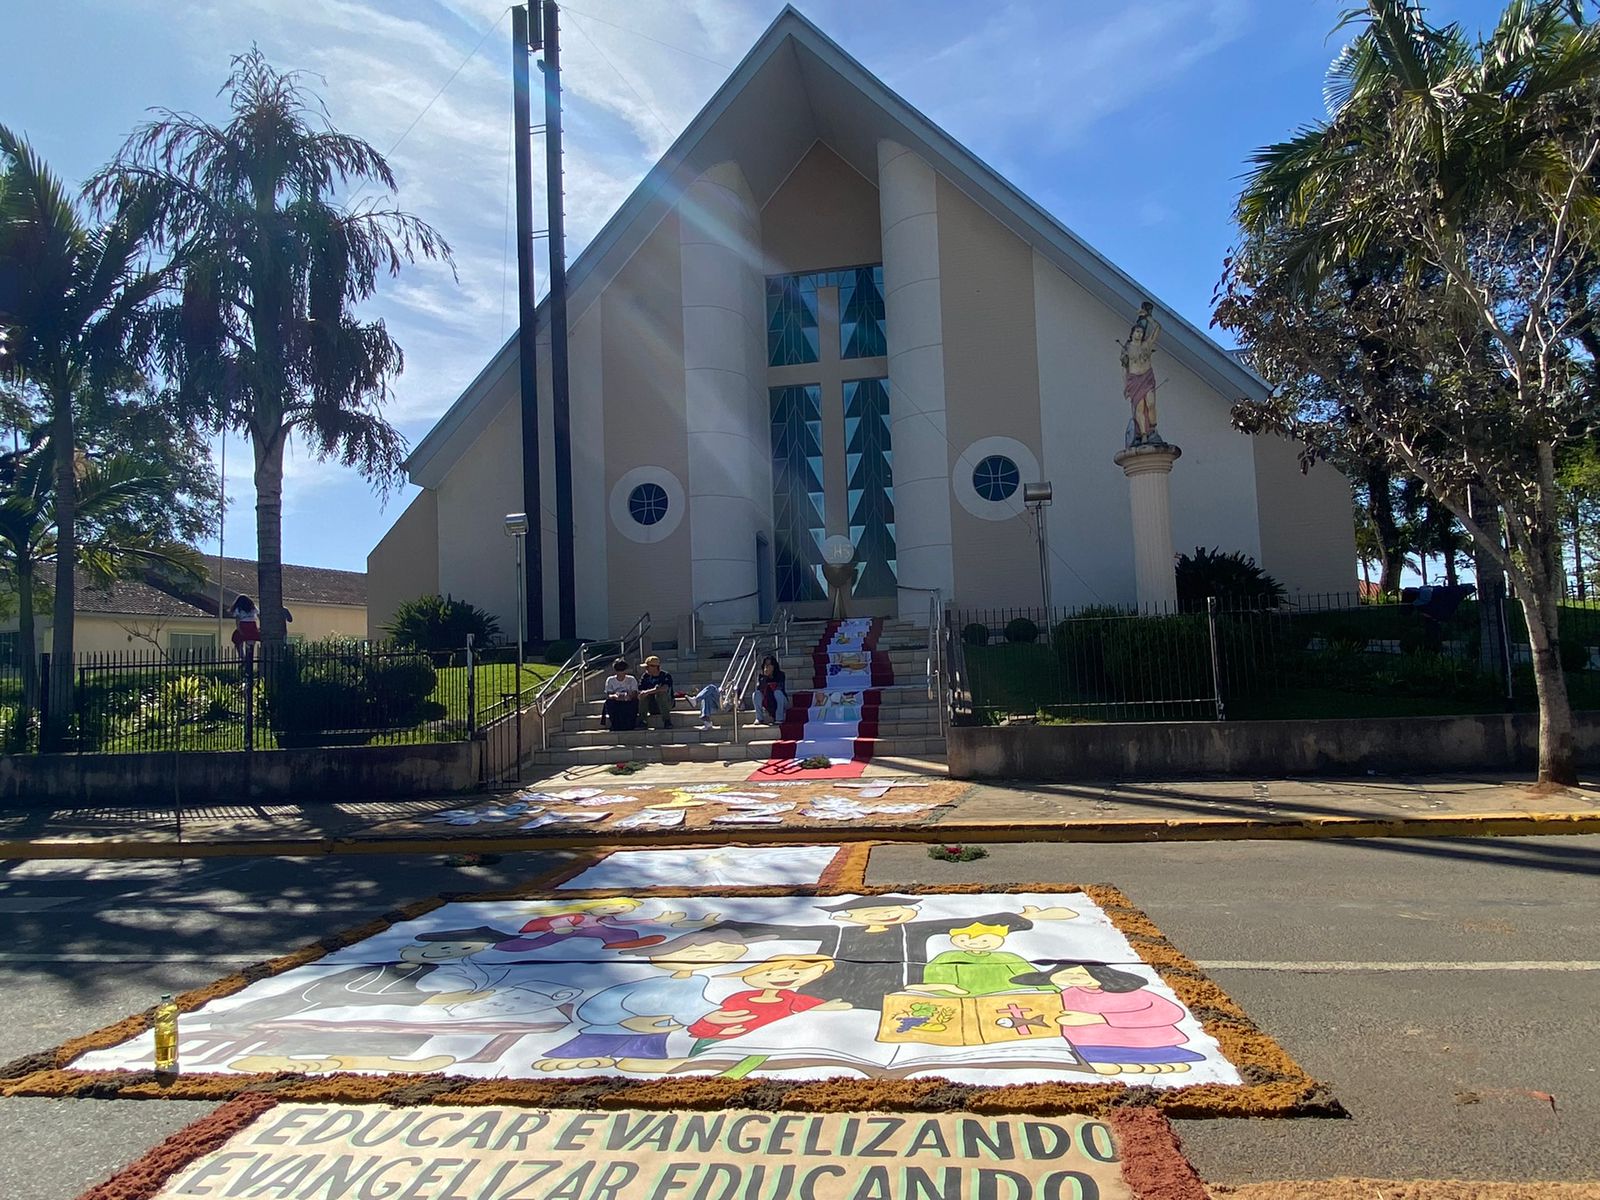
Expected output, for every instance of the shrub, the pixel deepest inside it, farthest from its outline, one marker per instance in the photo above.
(440, 623)
(1234, 578)
(312, 691)
(1079, 643)
(1020, 629)
(1158, 658)
(976, 634)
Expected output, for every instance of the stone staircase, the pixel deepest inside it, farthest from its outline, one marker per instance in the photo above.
(908, 721)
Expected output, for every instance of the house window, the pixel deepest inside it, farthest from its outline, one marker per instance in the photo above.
(996, 478)
(192, 645)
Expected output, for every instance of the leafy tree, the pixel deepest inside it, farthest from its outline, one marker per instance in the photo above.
(1439, 229)
(1234, 579)
(77, 320)
(1578, 477)
(440, 623)
(262, 334)
(106, 492)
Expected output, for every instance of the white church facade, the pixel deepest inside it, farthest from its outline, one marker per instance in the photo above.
(818, 315)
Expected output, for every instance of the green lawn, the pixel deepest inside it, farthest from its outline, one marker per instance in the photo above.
(493, 680)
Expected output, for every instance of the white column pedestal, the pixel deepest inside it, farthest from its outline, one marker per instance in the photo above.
(1147, 469)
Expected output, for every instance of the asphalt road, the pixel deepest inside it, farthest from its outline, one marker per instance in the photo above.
(1438, 985)
(86, 943)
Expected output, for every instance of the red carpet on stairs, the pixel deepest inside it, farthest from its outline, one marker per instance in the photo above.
(838, 719)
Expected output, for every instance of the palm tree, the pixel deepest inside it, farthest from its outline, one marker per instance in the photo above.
(105, 493)
(78, 319)
(1470, 164)
(262, 333)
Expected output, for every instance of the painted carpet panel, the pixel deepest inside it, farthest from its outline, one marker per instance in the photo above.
(976, 988)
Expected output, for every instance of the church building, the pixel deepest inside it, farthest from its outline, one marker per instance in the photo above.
(820, 316)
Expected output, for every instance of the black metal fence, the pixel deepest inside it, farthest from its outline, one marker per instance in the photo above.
(1317, 656)
(338, 693)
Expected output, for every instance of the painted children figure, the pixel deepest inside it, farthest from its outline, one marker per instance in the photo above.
(627, 1025)
(774, 993)
(1113, 1021)
(435, 971)
(878, 938)
(598, 919)
(977, 966)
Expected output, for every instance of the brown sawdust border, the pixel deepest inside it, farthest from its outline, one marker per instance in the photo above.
(148, 1174)
(1274, 1084)
(1151, 1156)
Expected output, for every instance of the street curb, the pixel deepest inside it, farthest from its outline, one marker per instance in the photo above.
(1181, 829)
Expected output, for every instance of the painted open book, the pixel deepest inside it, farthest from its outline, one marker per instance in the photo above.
(914, 1033)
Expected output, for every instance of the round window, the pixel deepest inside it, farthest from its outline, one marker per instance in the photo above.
(647, 503)
(996, 478)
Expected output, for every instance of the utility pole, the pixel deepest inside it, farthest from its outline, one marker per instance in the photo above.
(560, 409)
(523, 40)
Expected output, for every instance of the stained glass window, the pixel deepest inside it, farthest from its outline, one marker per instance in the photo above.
(647, 503)
(869, 472)
(996, 478)
(791, 320)
(798, 503)
(861, 313)
(792, 314)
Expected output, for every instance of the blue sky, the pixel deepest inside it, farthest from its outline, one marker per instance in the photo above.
(1131, 123)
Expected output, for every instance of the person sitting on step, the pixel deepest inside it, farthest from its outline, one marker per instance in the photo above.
(709, 698)
(770, 700)
(622, 698)
(655, 693)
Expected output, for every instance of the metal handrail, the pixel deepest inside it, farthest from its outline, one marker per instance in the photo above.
(574, 672)
(956, 672)
(935, 660)
(743, 674)
(640, 628)
(694, 617)
(744, 647)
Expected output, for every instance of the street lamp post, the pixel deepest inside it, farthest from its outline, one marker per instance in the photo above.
(1037, 496)
(516, 529)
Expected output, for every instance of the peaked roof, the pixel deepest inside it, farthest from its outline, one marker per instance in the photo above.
(794, 88)
(161, 594)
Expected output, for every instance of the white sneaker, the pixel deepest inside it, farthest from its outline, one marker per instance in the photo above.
(705, 725)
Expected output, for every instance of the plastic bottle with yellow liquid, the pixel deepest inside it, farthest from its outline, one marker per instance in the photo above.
(166, 1030)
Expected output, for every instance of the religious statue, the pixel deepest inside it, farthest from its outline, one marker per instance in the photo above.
(1139, 378)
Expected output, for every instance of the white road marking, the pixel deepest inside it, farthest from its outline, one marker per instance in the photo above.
(1318, 967)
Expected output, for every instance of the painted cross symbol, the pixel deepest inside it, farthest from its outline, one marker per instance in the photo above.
(1014, 1018)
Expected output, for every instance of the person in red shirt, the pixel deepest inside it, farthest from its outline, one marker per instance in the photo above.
(774, 993)
(603, 920)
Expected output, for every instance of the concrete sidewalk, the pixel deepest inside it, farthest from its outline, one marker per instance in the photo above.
(1201, 809)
